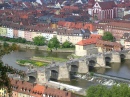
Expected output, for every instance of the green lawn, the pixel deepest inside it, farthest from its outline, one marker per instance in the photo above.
(34, 63)
(52, 59)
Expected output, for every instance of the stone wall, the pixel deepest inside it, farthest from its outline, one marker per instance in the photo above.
(44, 48)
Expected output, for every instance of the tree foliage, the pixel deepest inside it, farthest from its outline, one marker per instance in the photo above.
(39, 40)
(5, 48)
(108, 36)
(115, 91)
(54, 43)
(18, 40)
(67, 44)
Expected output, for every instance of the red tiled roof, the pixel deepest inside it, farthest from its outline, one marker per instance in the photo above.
(87, 41)
(38, 91)
(95, 36)
(67, 24)
(79, 25)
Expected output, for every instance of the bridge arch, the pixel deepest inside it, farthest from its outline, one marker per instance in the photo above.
(54, 75)
(74, 68)
(122, 56)
(108, 59)
(32, 79)
(92, 63)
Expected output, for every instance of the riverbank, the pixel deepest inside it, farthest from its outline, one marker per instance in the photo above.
(43, 48)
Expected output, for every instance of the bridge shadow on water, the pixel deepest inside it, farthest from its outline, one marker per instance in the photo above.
(91, 69)
(72, 75)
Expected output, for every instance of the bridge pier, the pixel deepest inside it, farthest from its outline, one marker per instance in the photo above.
(42, 77)
(116, 58)
(63, 73)
(100, 61)
(127, 55)
(83, 66)
(26, 78)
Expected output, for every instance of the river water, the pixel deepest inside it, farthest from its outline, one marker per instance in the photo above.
(119, 70)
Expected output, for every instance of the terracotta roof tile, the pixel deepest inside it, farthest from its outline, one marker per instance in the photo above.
(87, 42)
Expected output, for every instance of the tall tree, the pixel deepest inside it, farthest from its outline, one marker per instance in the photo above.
(39, 40)
(54, 43)
(108, 36)
(67, 44)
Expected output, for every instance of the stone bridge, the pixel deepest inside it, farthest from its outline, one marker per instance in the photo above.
(61, 71)
(31, 74)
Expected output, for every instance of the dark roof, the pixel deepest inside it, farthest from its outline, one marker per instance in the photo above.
(107, 4)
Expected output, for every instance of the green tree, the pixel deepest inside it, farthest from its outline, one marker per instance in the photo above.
(114, 91)
(67, 44)
(39, 40)
(108, 36)
(20, 40)
(54, 43)
(4, 69)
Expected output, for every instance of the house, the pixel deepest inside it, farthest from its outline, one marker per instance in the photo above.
(103, 10)
(109, 46)
(100, 28)
(21, 33)
(28, 35)
(118, 28)
(48, 33)
(4, 92)
(72, 35)
(21, 88)
(3, 31)
(37, 91)
(127, 43)
(15, 33)
(10, 33)
(125, 40)
(26, 89)
(45, 19)
(123, 9)
(52, 92)
(76, 25)
(87, 46)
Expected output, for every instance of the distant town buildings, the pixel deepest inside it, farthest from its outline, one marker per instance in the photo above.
(26, 89)
(103, 10)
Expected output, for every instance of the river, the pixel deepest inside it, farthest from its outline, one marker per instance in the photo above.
(119, 70)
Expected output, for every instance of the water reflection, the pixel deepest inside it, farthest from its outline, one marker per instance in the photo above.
(119, 70)
(100, 70)
(116, 66)
(11, 58)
